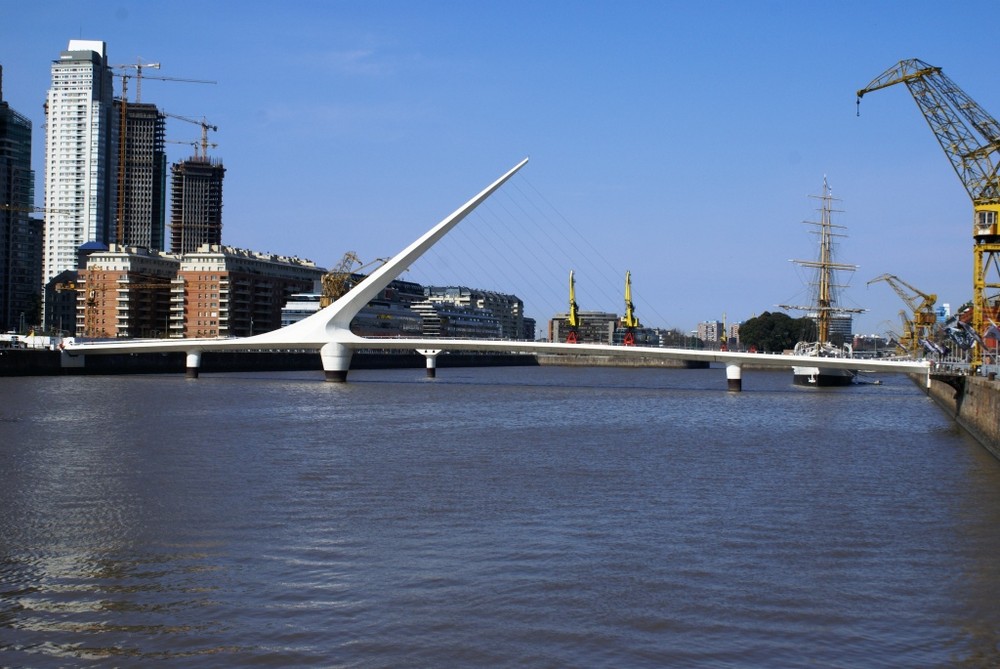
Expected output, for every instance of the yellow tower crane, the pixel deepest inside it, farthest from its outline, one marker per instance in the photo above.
(970, 138)
(205, 127)
(573, 321)
(919, 323)
(193, 143)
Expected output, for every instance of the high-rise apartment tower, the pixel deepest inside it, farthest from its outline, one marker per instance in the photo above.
(20, 236)
(80, 162)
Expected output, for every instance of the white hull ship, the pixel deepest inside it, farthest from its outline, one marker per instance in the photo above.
(819, 375)
(824, 307)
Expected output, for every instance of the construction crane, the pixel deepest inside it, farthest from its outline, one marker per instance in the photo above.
(629, 321)
(573, 320)
(337, 281)
(970, 138)
(33, 210)
(91, 298)
(918, 324)
(138, 66)
(94, 298)
(122, 154)
(205, 127)
(193, 143)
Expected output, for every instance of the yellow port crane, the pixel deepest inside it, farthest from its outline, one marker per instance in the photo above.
(337, 281)
(970, 138)
(629, 321)
(919, 323)
(573, 320)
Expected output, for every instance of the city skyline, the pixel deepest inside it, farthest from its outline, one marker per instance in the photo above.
(684, 141)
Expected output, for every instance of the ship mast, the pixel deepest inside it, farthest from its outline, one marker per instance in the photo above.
(825, 305)
(824, 300)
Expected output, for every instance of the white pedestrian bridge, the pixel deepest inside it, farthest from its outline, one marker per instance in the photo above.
(328, 331)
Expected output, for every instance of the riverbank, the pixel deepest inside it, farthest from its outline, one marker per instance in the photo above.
(974, 403)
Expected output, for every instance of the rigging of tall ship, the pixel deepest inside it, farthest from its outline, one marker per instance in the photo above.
(824, 310)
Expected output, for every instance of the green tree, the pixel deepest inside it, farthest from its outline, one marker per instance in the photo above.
(776, 332)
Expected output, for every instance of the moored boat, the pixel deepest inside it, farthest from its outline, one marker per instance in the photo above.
(819, 375)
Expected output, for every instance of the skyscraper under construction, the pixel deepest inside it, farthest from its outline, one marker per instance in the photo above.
(196, 204)
(142, 176)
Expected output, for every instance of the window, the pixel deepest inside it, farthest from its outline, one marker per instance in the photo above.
(986, 222)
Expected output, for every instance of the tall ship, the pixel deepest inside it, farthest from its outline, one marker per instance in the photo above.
(824, 309)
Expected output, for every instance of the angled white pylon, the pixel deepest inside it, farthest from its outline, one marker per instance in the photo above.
(332, 323)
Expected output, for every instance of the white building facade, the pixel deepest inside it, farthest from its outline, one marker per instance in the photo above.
(79, 160)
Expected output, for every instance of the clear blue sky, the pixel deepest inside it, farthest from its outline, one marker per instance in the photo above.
(682, 139)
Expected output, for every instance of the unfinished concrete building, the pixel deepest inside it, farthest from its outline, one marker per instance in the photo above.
(141, 193)
(196, 204)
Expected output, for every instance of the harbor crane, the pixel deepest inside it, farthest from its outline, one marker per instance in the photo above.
(970, 138)
(573, 320)
(629, 321)
(918, 324)
(337, 281)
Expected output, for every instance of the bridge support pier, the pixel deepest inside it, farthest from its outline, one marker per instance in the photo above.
(431, 355)
(69, 361)
(734, 378)
(336, 361)
(192, 364)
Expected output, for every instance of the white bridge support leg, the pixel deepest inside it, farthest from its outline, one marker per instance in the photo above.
(336, 361)
(431, 355)
(192, 364)
(734, 378)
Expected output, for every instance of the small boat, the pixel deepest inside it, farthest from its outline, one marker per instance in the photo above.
(824, 309)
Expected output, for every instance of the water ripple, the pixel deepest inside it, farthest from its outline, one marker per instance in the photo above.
(543, 517)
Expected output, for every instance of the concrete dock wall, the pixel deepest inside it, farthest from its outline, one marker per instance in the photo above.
(975, 405)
